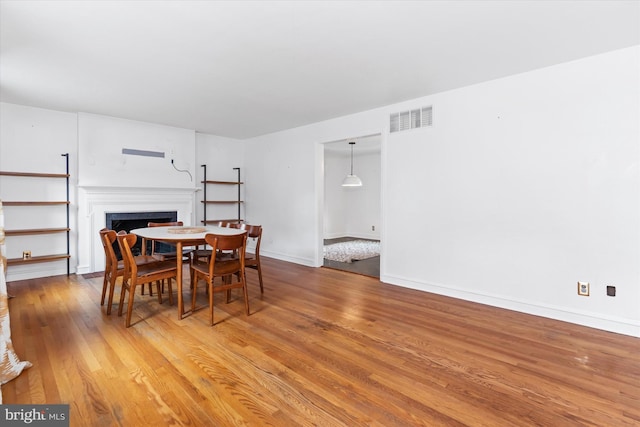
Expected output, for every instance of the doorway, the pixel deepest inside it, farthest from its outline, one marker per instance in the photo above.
(352, 214)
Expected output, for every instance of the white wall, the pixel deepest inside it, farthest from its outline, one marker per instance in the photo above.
(110, 181)
(335, 206)
(523, 186)
(102, 138)
(32, 140)
(220, 155)
(364, 205)
(352, 211)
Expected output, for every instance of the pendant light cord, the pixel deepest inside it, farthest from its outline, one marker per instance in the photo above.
(351, 157)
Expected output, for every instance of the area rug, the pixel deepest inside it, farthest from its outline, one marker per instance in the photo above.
(352, 250)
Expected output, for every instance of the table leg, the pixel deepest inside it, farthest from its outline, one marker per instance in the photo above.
(179, 279)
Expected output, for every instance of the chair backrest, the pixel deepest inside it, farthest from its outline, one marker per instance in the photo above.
(108, 237)
(220, 242)
(253, 232)
(126, 242)
(228, 224)
(165, 224)
(161, 246)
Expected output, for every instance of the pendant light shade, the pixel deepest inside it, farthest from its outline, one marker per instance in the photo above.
(352, 180)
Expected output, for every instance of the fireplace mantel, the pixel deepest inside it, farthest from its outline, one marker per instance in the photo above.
(95, 201)
(112, 189)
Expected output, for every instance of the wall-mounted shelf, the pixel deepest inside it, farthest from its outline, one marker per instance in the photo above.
(206, 201)
(35, 174)
(40, 231)
(37, 259)
(33, 231)
(223, 202)
(34, 203)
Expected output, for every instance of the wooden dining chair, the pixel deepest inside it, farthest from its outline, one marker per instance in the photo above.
(135, 275)
(203, 255)
(107, 261)
(114, 268)
(231, 270)
(252, 260)
(164, 255)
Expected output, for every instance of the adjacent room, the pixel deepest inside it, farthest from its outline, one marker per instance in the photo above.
(177, 180)
(351, 234)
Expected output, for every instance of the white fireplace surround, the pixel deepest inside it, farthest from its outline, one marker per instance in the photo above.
(95, 202)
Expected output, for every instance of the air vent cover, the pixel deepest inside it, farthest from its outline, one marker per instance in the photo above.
(405, 120)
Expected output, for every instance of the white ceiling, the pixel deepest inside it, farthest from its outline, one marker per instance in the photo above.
(243, 68)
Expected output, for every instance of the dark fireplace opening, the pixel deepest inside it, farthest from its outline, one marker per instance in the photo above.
(128, 221)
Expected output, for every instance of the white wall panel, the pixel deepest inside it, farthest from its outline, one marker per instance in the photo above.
(523, 186)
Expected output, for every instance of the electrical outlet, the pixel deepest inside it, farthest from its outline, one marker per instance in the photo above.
(583, 289)
(373, 228)
(611, 291)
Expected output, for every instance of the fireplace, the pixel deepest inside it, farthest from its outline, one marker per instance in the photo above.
(128, 221)
(96, 202)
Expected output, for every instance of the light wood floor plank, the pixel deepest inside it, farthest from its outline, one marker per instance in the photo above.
(321, 347)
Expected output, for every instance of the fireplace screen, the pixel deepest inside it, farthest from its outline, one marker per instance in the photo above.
(128, 221)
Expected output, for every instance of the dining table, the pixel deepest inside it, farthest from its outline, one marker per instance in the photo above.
(181, 237)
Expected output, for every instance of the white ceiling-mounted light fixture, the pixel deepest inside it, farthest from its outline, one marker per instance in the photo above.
(352, 180)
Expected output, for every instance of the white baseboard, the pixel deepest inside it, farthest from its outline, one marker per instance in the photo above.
(593, 320)
(367, 236)
(84, 269)
(284, 257)
(26, 274)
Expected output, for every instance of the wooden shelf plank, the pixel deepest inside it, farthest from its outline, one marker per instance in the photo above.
(25, 203)
(34, 174)
(34, 231)
(37, 259)
(222, 182)
(215, 221)
(222, 202)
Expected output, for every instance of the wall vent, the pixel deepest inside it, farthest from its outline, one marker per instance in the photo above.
(411, 119)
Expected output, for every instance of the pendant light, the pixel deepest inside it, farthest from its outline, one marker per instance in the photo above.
(352, 180)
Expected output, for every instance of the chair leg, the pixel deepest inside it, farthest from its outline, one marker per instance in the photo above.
(194, 287)
(132, 293)
(123, 290)
(170, 291)
(246, 294)
(260, 278)
(210, 286)
(159, 288)
(104, 288)
(112, 286)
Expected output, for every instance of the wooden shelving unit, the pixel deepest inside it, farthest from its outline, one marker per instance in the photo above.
(41, 231)
(208, 202)
(31, 203)
(32, 231)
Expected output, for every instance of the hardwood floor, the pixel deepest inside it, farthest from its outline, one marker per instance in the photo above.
(315, 351)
